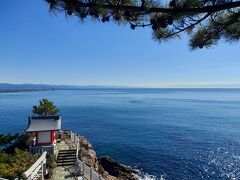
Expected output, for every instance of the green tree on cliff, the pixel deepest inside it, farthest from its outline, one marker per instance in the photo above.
(45, 108)
(205, 21)
(7, 138)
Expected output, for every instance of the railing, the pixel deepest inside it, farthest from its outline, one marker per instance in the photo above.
(38, 169)
(88, 172)
(50, 149)
(75, 139)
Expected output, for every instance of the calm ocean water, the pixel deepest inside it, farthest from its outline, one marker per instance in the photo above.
(167, 133)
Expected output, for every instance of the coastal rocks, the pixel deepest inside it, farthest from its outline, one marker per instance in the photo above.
(108, 168)
(120, 171)
(87, 153)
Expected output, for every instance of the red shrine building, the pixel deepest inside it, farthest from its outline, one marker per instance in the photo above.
(44, 129)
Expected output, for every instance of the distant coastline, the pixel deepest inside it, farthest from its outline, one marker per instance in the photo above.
(23, 90)
(6, 87)
(9, 88)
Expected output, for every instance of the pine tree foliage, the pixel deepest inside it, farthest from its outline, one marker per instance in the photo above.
(205, 21)
(45, 108)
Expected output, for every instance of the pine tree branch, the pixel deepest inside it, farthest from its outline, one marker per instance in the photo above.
(175, 10)
(167, 21)
(194, 24)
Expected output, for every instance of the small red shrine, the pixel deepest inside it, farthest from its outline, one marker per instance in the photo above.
(44, 128)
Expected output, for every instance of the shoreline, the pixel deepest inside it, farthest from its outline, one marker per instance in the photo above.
(23, 90)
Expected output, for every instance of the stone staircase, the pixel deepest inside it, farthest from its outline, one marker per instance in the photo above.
(66, 157)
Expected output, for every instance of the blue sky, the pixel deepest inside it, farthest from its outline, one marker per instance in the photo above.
(39, 47)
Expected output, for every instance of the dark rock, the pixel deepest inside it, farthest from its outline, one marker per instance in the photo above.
(120, 171)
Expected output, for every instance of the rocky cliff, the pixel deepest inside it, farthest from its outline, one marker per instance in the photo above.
(107, 167)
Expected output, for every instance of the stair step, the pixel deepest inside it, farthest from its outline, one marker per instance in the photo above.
(67, 153)
(66, 157)
(66, 160)
(66, 164)
(68, 150)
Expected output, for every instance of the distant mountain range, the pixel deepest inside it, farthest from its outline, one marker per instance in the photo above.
(6, 87)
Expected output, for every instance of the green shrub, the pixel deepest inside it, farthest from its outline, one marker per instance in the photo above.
(13, 165)
(21, 143)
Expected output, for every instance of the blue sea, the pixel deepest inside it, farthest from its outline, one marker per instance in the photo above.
(166, 133)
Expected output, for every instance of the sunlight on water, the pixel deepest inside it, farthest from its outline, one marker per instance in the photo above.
(226, 163)
(146, 176)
